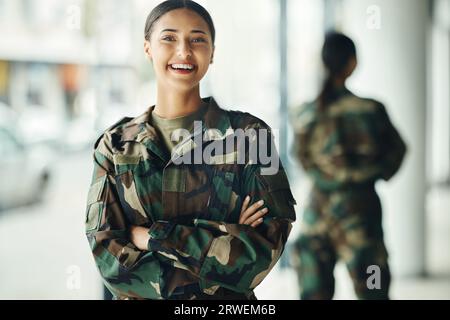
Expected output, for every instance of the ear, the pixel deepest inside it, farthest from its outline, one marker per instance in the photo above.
(147, 50)
(351, 66)
(212, 56)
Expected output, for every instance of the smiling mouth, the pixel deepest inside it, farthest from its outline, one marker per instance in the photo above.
(182, 67)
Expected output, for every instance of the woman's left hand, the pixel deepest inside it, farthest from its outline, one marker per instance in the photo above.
(139, 237)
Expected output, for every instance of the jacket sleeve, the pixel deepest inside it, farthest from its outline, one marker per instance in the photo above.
(227, 254)
(393, 148)
(126, 271)
(302, 122)
(300, 150)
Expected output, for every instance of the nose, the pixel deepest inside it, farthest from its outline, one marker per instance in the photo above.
(184, 50)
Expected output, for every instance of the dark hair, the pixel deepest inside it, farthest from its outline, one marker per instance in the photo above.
(170, 5)
(337, 51)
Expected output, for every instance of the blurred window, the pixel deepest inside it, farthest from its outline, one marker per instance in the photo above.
(439, 113)
(44, 14)
(306, 27)
(36, 86)
(245, 72)
(2, 9)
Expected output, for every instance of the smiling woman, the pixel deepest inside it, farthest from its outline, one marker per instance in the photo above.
(179, 40)
(160, 229)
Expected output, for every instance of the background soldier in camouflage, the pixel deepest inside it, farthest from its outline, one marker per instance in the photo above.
(201, 238)
(345, 144)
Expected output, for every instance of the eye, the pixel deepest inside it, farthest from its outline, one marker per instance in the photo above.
(168, 38)
(199, 40)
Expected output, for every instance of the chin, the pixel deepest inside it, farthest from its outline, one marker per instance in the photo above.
(183, 85)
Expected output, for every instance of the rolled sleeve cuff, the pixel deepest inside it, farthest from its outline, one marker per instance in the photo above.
(159, 230)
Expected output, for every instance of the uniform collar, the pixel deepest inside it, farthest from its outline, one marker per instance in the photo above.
(216, 123)
(342, 91)
(139, 129)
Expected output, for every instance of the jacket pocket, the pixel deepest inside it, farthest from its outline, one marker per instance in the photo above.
(280, 194)
(94, 205)
(130, 199)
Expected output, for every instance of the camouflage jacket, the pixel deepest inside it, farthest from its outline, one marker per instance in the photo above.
(197, 247)
(351, 142)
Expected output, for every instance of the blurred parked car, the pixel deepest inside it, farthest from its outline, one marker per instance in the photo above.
(24, 169)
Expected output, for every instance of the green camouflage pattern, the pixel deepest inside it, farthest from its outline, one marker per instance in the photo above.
(197, 250)
(345, 150)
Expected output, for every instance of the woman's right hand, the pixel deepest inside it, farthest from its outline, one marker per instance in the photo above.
(252, 215)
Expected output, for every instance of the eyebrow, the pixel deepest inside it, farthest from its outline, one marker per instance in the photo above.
(193, 31)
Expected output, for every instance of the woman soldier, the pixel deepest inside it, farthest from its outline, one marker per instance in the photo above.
(345, 144)
(164, 229)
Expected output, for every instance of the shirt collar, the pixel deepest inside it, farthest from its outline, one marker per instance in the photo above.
(215, 120)
(216, 125)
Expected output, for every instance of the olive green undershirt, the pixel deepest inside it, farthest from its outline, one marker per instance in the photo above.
(165, 127)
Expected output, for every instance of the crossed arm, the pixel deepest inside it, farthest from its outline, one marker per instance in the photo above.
(251, 216)
(133, 261)
(138, 262)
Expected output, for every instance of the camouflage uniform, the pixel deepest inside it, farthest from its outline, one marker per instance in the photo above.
(197, 248)
(345, 149)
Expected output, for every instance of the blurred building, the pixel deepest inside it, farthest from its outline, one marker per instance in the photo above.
(70, 60)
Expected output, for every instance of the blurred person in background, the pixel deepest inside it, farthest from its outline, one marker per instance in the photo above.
(161, 230)
(345, 143)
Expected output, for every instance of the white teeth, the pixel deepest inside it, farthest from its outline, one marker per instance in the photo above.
(183, 66)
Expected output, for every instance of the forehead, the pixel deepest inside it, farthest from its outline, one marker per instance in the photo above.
(181, 19)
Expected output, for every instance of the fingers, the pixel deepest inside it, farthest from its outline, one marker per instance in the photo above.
(244, 208)
(251, 210)
(259, 214)
(257, 222)
(252, 215)
(245, 204)
(255, 206)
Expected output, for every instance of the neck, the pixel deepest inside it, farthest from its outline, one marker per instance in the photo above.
(177, 104)
(339, 82)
